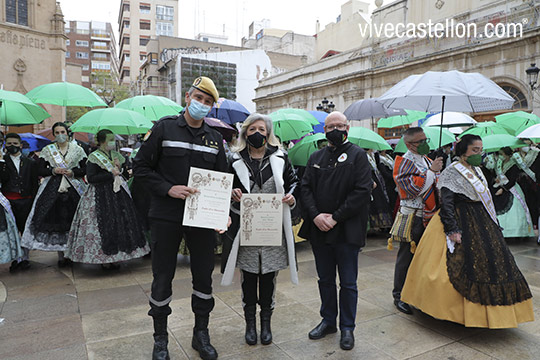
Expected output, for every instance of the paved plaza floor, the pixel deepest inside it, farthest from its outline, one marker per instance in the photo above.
(84, 312)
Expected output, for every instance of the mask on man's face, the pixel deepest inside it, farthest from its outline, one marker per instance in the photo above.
(337, 137)
(423, 148)
(198, 110)
(12, 149)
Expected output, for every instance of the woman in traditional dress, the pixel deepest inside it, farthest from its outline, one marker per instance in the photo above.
(380, 212)
(260, 166)
(106, 229)
(463, 271)
(528, 160)
(63, 165)
(10, 240)
(517, 221)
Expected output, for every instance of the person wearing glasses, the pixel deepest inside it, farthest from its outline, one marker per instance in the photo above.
(416, 178)
(463, 271)
(335, 189)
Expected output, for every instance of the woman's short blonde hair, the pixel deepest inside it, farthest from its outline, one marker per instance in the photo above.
(241, 142)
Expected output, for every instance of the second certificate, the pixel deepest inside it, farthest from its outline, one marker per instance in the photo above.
(261, 217)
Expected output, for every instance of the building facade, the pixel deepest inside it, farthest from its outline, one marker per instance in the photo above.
(343, 34)
(33, 47)
(139, 22)
(158, 74)
(92, 45)
(372, 69)
(280, 41)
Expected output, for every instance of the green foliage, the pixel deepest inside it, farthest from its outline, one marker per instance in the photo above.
(108, 88)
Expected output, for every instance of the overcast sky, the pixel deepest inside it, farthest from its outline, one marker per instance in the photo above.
(211, 15)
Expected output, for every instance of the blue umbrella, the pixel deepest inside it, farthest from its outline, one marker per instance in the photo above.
(229, 111)
(35, 142)
(321, 117)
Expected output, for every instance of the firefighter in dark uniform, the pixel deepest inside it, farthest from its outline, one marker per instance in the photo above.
(172, 146)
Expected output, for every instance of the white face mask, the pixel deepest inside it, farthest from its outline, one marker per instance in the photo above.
(111, 145)
(525, 148)
(61, 138)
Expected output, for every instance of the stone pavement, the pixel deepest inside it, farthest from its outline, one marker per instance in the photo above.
(84, 312)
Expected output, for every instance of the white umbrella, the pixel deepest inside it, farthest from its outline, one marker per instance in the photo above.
(454, 130)
(450, 90)
(530, 132)
(370, 108)
(451, 119)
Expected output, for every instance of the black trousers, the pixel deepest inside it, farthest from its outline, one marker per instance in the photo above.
(166, 238)
(267, 289)
(404, 257)
(21, 209)
(340, 258)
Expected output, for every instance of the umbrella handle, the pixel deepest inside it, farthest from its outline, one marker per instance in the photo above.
(442, 115)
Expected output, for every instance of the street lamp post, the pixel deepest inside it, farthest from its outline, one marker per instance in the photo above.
(532, 79)
(326, 106)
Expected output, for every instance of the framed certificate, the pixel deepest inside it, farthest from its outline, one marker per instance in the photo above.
(261, 217)
(209, 208)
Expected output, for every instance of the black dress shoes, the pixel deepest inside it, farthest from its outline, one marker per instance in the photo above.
(321, 331)
(347, 340)
(403, 307)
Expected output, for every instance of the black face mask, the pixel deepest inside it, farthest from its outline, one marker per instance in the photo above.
(12, 149)
(337, 137)
(256, 140)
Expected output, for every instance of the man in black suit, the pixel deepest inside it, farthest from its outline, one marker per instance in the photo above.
(20, 183)
(335, 192)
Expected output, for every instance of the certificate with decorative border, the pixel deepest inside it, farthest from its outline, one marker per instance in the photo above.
(261, 217)
(208, 208)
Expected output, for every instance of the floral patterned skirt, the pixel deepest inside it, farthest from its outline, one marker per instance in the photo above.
(10, 241)
(85, 243)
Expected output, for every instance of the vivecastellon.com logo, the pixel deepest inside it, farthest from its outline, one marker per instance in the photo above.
(449, 28)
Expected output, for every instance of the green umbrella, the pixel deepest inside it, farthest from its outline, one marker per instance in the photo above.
(65, 94)
(294, 115)
(150, 106)
(484, 129)
(119, 121)
(367, 139)
(517, 121)
(401, 120)
(495, 142)
(302, 150)
(17, 109)
(433, 135)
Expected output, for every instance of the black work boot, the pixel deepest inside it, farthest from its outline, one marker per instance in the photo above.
(161, 339)
(251, 327)
(201, 339)
(266, 332)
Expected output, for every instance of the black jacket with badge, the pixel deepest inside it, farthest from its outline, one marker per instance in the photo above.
(337, 181)
(165, 158)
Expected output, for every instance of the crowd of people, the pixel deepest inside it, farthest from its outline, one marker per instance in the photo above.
(452, 212)
(68, 201)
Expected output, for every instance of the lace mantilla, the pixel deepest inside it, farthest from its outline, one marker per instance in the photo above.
(452, 179)
(531, 156)
(74, 155)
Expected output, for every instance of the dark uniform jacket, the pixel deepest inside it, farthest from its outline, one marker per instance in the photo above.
(24, 182)
(166, 156)
(337, 181)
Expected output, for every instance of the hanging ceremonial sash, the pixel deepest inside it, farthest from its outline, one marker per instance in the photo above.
(480, 188)
(105, 163)
(523, 204)
(59, 162)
